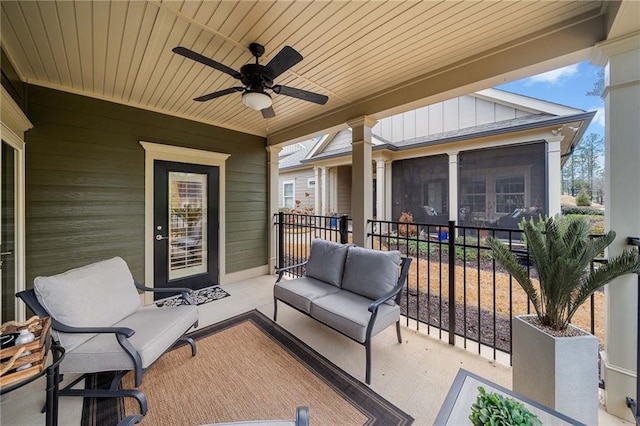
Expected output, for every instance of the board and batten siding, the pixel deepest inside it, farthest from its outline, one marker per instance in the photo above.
(300, 178)
(344, 190)
(85, 182)
(450, 115)
(340, 142)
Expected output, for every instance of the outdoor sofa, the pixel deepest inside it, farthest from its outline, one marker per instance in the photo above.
(353, 290)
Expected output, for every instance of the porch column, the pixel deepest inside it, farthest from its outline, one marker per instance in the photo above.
(554, 170)
(453, 185)
(622, 206)
(381, 199)
(333, 191)
(323, 193)
(361, 178)
(388, 188)
(317, 208)
(272, 163)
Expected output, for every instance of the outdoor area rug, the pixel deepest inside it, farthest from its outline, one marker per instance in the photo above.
(200, 296)
(248, 368)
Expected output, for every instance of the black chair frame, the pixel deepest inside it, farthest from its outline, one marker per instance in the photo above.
(122, 334)
(373, 308)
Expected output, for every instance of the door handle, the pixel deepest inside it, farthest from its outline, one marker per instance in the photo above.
(160, 237)
(6, 253)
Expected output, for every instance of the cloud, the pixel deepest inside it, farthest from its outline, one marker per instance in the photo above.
(599, 117)
(554, 76)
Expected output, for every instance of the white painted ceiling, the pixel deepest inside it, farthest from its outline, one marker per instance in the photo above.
(121, 50)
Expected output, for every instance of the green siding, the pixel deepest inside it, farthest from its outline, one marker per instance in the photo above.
(85, 182)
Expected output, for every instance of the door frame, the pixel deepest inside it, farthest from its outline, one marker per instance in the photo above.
(155, 151)
(14, 123)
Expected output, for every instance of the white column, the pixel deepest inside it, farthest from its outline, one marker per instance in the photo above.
(554, 168)
(272, 163)
(453, 185)
(333, 191)
(388, 188)
(622, 206)
(323, 189)
(381, 199)
(361, 178)
(317, 208)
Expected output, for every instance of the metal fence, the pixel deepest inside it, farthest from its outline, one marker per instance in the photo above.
(295, 233)
(454, 288)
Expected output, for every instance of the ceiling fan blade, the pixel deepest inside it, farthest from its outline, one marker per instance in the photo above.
(300, 94)
(268, 112)
(285, 59)
(218, 94)
(206, 61)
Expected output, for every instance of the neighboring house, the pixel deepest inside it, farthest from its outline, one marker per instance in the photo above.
(484, 159)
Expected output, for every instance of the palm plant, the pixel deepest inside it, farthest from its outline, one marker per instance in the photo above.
(561, 249)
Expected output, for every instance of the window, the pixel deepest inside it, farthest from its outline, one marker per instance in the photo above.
(474, 194)
(509, 193)
(288, 191)
(311, 182)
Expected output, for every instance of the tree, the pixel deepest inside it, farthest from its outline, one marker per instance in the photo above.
(589, 152)
(598, 86)
(583, 169)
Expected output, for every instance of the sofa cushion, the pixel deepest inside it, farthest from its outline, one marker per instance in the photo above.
(97, 295)
(348, 313)
(371, 273)
(156, 329)
(326, 261)
(301, 291)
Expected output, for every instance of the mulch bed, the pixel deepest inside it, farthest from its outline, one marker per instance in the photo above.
(436, 313)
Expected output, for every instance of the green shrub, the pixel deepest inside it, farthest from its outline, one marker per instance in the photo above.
(494, 409)
(414, 247)
(583, 199)
(567, 210)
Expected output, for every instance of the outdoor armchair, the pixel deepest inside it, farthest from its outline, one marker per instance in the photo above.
(96, 315)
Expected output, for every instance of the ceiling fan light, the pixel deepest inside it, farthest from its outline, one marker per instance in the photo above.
(256, 100)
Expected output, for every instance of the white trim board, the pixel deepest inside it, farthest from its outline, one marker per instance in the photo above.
(155, 151)
(13, 125)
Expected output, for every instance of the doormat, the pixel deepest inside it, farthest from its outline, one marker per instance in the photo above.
(199, 297)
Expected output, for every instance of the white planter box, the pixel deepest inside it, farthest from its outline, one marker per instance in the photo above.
(558, 372)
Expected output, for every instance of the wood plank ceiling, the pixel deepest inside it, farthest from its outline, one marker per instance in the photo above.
(121, 50)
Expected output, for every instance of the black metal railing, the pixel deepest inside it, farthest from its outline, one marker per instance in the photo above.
(480, 297)
(474, 299)
(631, 402)
(295, 233)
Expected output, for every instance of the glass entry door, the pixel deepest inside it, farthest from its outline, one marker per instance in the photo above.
(8, 252)
(185, 225)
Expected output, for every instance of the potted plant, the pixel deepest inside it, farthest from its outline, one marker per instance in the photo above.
(554, 362)
(494, 409)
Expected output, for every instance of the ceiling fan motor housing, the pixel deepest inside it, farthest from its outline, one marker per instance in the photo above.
(255, 77)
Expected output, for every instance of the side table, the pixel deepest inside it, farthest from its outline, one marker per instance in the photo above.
(53, 380)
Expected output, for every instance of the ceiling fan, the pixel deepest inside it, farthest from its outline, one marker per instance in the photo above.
(257, 78)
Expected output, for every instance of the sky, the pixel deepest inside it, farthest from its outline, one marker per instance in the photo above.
(567, 86)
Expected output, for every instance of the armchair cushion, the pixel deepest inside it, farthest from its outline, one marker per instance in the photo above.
(156, 330)
(96, 295)
(326, 261)
(371, 273)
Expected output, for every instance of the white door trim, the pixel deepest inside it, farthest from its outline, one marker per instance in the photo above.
(13, 125)
(155, 151)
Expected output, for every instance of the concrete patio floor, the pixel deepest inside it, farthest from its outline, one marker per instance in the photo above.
(415, 375)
